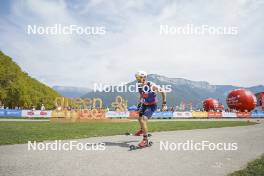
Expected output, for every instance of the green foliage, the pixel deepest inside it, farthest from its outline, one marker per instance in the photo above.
(19, 89)
(254, 168)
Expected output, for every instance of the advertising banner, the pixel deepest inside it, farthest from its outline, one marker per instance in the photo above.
(115, 114)
(167, 114)
(12, 113)
(36, 113)
(133, 114)
(257, 114)
(214, 114)
(182, 115)
(243, 114)
(2, 112)
(200, 114)
(229, 114)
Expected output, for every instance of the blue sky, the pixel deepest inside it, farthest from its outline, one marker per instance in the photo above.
(132, 41)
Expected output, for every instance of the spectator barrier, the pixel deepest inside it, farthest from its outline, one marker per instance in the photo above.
(199, 114)
(133, 114)
(215, 114)
(2, 113)
(182, 115)
(243, 114)
(10, 112)
(36, 113)
(161, 115)
(257, 114)
(229, 114)
(114, 114)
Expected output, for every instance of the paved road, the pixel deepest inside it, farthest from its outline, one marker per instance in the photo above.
(117, 160)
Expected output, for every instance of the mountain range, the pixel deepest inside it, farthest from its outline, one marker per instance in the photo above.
(17, 88)
(71, 92)
(183, 90)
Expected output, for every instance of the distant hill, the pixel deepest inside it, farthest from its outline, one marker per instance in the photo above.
(182, 90)
(71, 92)
(17, 88)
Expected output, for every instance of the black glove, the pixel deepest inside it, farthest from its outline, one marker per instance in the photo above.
(139, 106)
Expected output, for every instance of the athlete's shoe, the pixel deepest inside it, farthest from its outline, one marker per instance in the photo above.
(139, 133)
(143, 143)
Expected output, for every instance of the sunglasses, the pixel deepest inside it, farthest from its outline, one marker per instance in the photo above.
(138, 78)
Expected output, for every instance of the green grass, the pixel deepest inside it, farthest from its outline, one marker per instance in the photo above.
(22, 132)
(254, 168)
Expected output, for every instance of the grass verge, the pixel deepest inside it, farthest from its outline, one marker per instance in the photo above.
(31, 118)
(22, 132)
(254, 168)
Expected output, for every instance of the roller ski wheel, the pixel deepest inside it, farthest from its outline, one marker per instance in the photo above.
(132, 147)
(150, 143)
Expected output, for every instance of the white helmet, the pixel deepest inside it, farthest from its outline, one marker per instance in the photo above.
(141, 74)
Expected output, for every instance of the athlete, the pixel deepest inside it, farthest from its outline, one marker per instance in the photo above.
(147, 104)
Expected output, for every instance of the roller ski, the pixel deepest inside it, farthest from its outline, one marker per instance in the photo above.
(142, 144)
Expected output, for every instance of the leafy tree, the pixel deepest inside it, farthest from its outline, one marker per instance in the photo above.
(17, 88)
